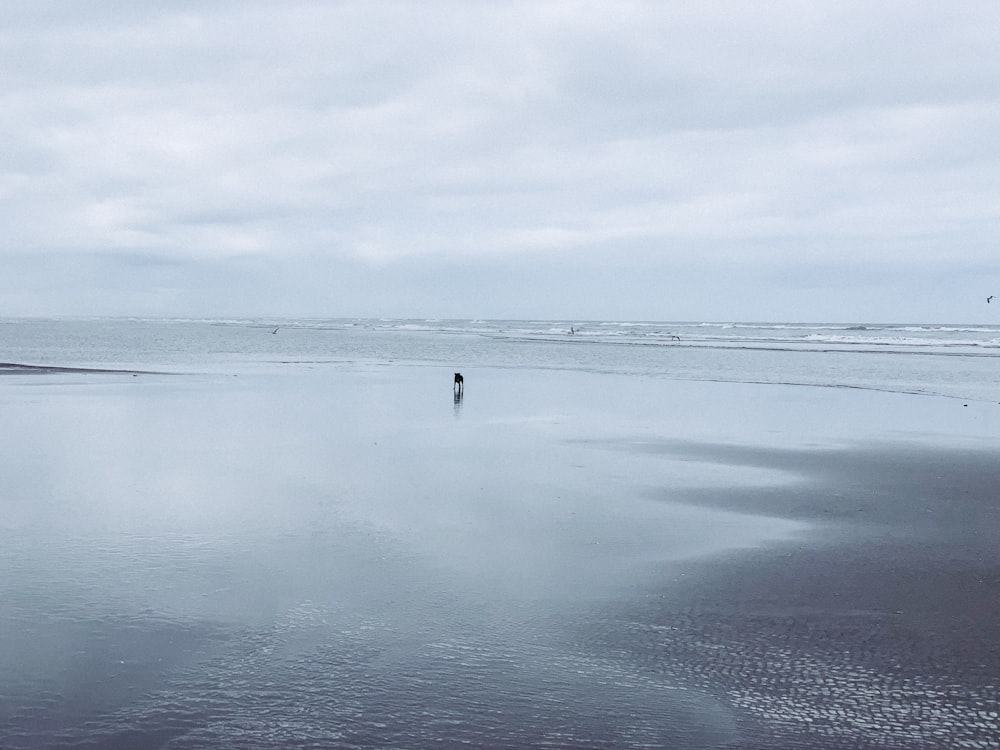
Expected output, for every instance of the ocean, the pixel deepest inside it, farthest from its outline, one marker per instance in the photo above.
(954, 360)
(265, 533)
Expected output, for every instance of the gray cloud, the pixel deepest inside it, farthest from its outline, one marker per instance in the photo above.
(560, 159)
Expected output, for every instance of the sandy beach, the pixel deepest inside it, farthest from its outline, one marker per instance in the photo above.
(881, 632)
(345, 555)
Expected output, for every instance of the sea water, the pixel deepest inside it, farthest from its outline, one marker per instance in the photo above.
(955, 360)
(277, 533)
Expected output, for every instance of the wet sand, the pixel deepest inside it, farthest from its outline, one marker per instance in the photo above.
(347, 556)
(882, 630)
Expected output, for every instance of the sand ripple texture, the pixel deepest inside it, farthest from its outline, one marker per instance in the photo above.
(686, 679)
(316, 680)
(801, 682)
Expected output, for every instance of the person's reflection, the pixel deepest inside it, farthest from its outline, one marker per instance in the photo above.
(458, 403)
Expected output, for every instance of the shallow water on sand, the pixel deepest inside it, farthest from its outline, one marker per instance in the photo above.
(333, 556)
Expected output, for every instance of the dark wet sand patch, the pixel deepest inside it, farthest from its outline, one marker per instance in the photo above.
(885, 632)
(16, 368)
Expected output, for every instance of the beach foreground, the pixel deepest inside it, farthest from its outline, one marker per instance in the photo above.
(345, 555)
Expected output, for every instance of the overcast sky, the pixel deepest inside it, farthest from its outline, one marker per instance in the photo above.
(795, 161)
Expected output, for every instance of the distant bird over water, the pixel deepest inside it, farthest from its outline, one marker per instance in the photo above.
(275, 330)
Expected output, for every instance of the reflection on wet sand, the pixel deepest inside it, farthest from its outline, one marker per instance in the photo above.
(328, 557)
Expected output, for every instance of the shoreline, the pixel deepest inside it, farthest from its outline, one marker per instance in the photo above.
(17, 368)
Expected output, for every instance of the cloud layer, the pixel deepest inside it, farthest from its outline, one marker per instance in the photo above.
(590, 159)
